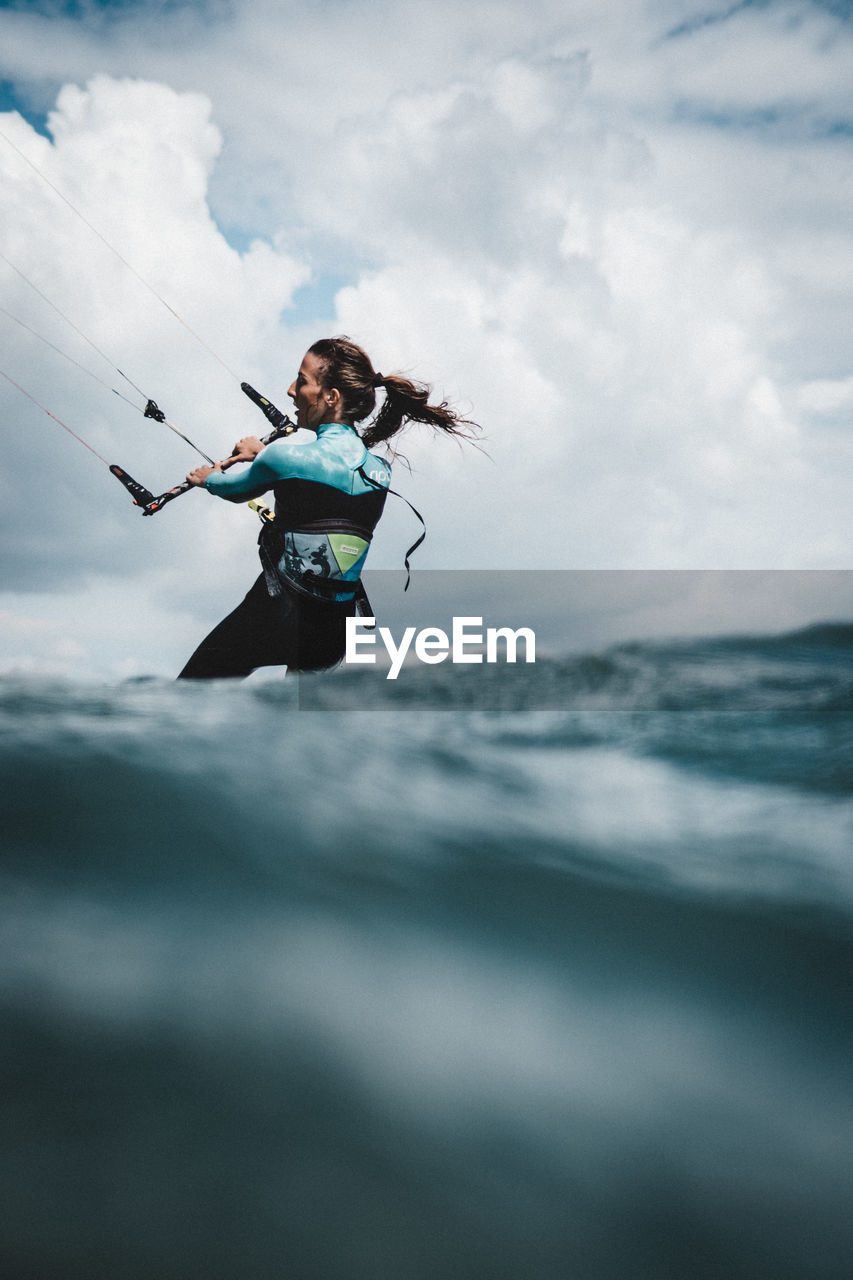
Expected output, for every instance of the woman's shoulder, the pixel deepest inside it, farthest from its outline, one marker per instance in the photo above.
(349, 447)
(377, 468)
(337, 453)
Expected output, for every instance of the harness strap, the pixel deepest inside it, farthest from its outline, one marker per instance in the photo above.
(333, 525)
(413, 548)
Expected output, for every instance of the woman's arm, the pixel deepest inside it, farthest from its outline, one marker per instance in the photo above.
(248, 484)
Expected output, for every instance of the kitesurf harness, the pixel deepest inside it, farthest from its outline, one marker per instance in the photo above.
(322, 559)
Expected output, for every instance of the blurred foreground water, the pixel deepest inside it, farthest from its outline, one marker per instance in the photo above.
(419, 992)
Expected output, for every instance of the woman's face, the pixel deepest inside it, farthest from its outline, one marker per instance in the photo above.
(312, 403)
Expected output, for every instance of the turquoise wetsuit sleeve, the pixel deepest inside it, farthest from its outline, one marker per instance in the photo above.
(248, 482)
(331, 460)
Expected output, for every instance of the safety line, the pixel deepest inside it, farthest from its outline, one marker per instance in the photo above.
(53, 415)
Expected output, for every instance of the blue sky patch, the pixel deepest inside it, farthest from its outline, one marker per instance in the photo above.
(315, 301)
(11, 99)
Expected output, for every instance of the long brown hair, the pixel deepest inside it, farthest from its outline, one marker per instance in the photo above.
(348, 368)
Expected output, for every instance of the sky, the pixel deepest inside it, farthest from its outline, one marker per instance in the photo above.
(617, 236)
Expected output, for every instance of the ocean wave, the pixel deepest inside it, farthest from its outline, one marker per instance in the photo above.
(454, 992)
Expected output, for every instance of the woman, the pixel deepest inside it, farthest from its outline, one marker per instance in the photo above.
(329, 496)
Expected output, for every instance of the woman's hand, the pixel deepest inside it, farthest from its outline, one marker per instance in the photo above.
(245, 450)
(200, 474)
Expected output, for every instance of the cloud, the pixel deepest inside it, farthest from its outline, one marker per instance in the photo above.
(611, 235)
(797, 55)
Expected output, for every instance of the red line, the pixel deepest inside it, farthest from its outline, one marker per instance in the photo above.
(53, 415)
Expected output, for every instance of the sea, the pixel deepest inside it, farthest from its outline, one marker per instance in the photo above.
(343, 978)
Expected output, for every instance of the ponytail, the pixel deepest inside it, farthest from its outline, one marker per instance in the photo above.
(348, 368)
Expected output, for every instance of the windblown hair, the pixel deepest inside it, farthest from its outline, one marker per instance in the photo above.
(348, 368)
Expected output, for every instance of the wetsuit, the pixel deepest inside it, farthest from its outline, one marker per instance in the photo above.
(329, 496)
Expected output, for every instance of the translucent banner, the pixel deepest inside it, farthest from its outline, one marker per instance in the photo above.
(597, 639)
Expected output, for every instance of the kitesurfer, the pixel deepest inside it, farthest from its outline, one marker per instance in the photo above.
(329, 496)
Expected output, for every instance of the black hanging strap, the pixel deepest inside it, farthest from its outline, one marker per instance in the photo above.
(413, 548)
